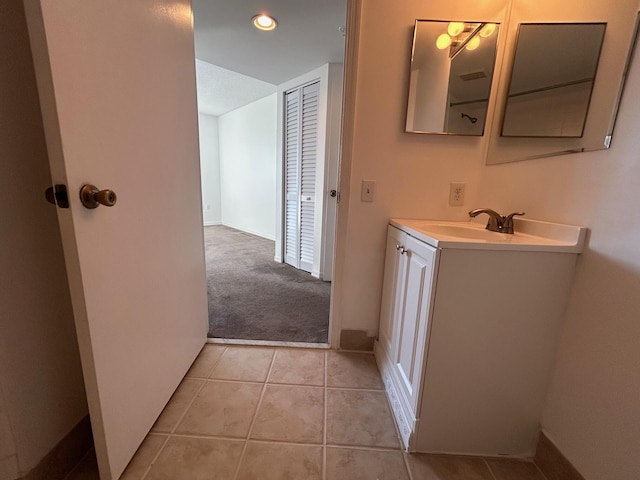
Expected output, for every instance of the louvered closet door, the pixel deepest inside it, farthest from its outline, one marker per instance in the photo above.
(291, 160)
(301, 133)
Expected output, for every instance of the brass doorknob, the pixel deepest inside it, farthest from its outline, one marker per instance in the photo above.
(91, 197)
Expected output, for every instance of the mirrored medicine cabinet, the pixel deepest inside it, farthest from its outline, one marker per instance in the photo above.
(547, 81)
(554, 69)
(452, 67)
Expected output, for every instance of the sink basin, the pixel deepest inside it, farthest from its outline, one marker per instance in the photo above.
(532, 235)
(469, 231)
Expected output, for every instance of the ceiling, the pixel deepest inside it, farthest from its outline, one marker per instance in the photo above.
(307, 37)
(221, 90)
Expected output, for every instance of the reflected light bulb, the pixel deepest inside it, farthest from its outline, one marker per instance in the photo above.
(443, 41)
(488, 30)
(455, 28)
(473, 43)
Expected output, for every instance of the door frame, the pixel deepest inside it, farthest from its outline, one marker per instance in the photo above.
(350, 77)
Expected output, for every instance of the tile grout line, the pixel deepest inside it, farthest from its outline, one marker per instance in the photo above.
(489, 468)
(209, 437)
(395, 423)
(326, 407)
(277, 442)
(155, 457)
(403, 452)
(231, 380)
(211, 369)
(405, 459)
(372, 448)
(360, 389)
(215, 364)
(538, 468)
(254, 382)
(184, 413)
(171, 433)
(255, 414)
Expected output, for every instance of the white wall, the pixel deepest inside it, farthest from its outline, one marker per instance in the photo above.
(248, 167)
(210, 169)
(41, 389)
(592, 411)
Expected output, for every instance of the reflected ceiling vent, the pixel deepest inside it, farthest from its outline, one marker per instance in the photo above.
(473, 76)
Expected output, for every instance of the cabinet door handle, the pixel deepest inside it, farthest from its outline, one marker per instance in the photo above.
(401, 249)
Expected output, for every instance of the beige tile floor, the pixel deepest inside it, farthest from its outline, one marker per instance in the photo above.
(263, 413)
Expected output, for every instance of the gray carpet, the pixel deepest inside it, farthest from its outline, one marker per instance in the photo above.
(252, 297)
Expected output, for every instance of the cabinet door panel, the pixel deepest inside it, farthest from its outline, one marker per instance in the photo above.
(414, 317)
(392, 287)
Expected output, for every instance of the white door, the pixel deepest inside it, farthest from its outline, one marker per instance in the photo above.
(301, 158)
(117, 89)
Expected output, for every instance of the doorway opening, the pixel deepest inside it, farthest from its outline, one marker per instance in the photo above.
(270, 121)
(253, 297)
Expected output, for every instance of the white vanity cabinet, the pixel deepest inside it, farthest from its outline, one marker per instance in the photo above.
(467, 338)
(406, 300)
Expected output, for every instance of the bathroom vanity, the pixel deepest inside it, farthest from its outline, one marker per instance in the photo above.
(469, 324)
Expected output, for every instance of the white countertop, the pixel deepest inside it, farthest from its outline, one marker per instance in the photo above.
(530, 235)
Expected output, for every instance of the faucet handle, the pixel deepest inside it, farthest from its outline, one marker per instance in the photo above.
(511, 215)
(507, 222)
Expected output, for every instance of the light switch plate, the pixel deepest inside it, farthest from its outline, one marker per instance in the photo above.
(368, 189)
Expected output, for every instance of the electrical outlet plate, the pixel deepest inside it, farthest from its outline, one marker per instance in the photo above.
(456, 194)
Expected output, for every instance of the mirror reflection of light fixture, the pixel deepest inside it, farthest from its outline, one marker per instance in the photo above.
(464, 35)
(455, 28)
(488, 30)
(473, 43)
(264, 22)
(443, 41)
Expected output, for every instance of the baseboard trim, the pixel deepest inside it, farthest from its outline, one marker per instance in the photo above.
(248, 230)
(552, 463)
(211, 224)
(63, 458)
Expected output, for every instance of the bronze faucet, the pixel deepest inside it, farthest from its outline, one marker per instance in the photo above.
(497, 223)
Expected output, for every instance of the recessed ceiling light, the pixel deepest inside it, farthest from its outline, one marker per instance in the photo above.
(264, 22)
